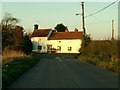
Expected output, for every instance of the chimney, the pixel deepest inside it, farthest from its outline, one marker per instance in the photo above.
(35, 26)
(66, 30)
(75, 30)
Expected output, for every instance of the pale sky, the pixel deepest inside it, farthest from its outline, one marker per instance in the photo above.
(49, 14)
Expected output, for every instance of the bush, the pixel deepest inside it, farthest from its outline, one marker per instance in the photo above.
(27, 45)
(104, 48)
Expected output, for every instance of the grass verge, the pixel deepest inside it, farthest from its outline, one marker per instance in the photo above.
(107, 63)
(12, 69)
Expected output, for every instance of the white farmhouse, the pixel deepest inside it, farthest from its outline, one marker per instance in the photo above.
(39, 39)
(66, 42)
(47, 40)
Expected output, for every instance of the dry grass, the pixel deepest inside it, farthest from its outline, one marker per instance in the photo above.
(9, 54)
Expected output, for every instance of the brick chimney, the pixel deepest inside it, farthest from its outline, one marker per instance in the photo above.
(66, 30)
(35, 26)
(75, 30)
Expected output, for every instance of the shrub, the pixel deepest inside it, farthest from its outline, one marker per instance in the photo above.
(103, 48)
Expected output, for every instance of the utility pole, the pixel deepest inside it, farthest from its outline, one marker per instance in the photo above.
(83, 21)
(112, 29)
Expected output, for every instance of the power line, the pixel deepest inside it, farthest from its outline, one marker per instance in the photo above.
(102, 9)
(99, 21)
(94, 16)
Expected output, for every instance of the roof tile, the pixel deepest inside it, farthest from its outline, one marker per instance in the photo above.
(66, 35)
(40, 33)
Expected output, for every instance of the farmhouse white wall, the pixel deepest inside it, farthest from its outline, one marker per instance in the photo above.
(75, 44)
(37, 41)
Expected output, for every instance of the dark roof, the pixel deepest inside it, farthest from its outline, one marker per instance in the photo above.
(66, 35)
(40, 33)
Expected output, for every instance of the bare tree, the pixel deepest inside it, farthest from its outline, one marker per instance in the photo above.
(8, 21)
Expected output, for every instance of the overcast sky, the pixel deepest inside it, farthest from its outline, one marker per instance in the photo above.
(49, 14)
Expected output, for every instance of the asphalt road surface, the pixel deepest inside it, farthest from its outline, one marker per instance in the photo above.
(56, 71)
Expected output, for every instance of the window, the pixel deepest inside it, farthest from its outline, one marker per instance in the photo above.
(49, 47)
(69, 48)
(59, 48)
(39, 47)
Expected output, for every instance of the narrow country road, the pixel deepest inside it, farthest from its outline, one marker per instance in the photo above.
(55, 71)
